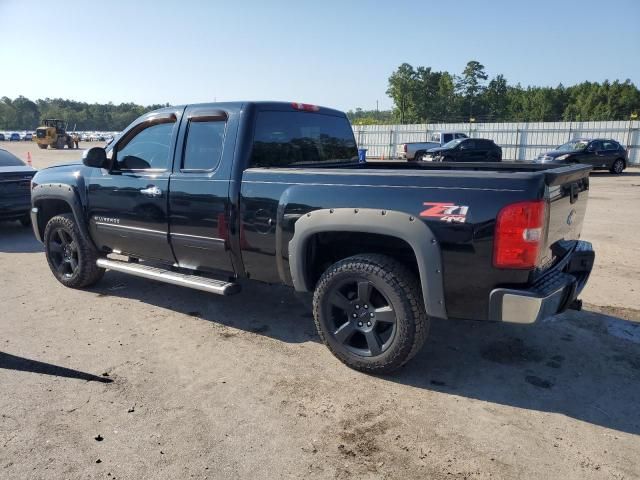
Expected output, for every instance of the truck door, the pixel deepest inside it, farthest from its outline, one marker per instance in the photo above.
(199, 195)
(127, 205)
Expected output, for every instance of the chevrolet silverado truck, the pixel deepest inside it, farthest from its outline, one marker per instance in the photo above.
(207, 196)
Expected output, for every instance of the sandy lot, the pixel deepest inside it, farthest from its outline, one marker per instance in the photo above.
(134, 379)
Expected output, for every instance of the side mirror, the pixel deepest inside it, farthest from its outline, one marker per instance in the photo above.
(95, 157)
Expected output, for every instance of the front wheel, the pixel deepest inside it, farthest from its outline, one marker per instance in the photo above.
(369, 312)
(71, 259)
(617, 167)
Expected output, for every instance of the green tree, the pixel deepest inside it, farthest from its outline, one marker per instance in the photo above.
(471, 84)
(402, 85)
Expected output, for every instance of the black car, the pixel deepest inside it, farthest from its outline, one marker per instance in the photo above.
(15, 184)
(465, 150)
(600, 153)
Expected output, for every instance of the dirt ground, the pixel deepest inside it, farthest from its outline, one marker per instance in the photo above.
(133, 379)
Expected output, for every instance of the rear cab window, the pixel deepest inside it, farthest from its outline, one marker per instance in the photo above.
(298, 139)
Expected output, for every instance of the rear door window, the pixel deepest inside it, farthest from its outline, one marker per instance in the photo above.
(292, 139)
(610, 145)
(596, 145)
(203, 147)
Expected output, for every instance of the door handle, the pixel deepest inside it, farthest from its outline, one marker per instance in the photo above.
(151, 191)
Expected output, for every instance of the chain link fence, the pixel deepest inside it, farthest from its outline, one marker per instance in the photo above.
(519, 141)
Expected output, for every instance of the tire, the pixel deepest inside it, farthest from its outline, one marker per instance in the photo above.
(71, 260)
(370, 287)
(26, 221)
(617, 167)
(418, 156)
(43, 146)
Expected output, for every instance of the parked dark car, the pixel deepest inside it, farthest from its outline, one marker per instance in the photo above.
(465, 150)
(28, 137)
(14, 137)
(15, 193)
(207, 196)
(600, 153)
(2, 137)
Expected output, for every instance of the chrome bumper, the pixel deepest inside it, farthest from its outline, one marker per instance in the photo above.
(550, 295)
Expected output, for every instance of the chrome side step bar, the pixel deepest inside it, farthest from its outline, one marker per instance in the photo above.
(205, 284)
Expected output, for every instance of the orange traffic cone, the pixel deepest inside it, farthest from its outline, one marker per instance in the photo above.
(29, 159)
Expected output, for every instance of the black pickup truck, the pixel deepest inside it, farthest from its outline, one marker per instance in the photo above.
(206, 195)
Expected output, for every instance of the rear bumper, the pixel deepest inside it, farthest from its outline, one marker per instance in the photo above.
(550, 295)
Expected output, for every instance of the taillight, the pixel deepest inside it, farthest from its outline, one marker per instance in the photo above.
(519, 234)
(306, 107)
(404, 147)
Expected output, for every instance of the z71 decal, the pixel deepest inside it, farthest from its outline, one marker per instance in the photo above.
(445, 212)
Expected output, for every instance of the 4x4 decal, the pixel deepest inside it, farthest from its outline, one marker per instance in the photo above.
(446, 212)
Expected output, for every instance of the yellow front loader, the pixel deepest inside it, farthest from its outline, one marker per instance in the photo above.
(52, 133)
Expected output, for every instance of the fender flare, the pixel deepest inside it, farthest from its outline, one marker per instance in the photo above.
(66, 193)
(385, 222)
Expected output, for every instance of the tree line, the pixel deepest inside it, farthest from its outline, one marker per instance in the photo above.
(423, 95)
(24, 114)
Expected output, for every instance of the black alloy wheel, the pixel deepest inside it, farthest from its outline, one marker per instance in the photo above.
(63, 252)
(361, 318)
(369, 312)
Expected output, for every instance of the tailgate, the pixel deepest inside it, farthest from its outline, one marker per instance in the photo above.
(567, 192)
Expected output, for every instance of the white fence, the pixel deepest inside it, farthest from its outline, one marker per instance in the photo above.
(519, 141)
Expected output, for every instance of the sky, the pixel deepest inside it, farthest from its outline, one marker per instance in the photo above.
(333, 53)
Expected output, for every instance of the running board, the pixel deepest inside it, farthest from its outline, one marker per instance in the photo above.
(196, 282)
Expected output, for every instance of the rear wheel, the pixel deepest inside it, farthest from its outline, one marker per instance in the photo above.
(617, 167)
(71, 259)
(369, 312)
(43, 146)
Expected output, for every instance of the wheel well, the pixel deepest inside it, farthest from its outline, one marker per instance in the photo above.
(49, 208)
(326, 248)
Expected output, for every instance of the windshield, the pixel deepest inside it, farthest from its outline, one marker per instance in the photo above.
(453, 143)
(572, 146)
(9, 160)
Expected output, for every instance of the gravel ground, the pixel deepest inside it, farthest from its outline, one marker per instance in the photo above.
(133, 379)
